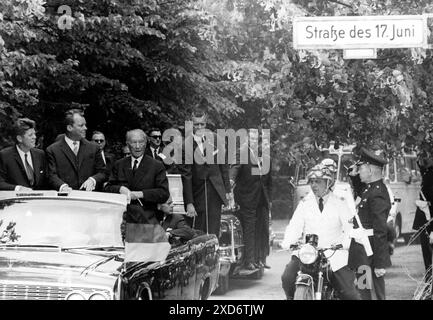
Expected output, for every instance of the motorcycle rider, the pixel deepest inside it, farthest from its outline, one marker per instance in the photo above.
(323, 213)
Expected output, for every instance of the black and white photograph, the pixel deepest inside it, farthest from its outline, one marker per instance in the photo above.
(237, 151)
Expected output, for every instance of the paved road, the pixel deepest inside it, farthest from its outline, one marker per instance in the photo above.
(267, 288)
(401, 280)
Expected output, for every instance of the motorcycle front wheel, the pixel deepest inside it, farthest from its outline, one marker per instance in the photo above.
(303, 293)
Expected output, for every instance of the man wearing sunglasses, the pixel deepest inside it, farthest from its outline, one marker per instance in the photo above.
(154, 148)
(99, 138)
(373, 208)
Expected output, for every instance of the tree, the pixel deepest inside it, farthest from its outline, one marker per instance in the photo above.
(128, 63)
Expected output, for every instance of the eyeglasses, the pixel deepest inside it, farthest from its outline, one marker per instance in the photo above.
(98, 140)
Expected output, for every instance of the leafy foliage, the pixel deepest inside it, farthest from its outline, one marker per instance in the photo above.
(142, 63)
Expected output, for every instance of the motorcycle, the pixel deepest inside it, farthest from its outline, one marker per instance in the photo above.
(313, 280)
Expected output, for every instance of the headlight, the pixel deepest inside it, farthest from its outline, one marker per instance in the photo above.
(98, 296)
(75, 295)
(307, 254)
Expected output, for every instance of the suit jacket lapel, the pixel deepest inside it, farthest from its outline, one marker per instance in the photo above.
(140, 172)
(37, 166)
(20, 162)
(69, 154)
(128, 170)
(82, 151)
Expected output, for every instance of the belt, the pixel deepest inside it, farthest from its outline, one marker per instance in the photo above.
(368, 232)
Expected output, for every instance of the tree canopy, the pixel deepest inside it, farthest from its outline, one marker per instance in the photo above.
(143, 63)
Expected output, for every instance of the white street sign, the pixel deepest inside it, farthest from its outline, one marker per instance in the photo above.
(359, 54)
(360, 32)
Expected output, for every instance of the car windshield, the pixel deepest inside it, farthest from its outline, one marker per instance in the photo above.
(62, 222)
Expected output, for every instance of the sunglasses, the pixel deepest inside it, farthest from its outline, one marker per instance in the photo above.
(99, 140)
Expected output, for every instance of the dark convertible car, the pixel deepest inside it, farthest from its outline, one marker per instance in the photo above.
(69, 247)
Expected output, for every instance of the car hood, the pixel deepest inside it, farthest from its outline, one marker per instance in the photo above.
(49, 266)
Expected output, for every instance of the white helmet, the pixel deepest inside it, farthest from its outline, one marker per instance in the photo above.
(330, 164)
(321, 171)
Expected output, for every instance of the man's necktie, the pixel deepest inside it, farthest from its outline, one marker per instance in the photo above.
(29, 171)
(134, 168)
(321, 204)
(75, 147)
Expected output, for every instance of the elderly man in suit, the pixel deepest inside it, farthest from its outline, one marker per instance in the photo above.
(140, 177)
(74, 162)
(206, 186)
(22, 166)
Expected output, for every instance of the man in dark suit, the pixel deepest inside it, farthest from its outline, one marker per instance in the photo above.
(373, 209)
(206, 185)
(425, 163)
(252, 192)
(141, 178)
(74, 162)
(99, 138)
(154, 149)
(22, 166)
(174, 224)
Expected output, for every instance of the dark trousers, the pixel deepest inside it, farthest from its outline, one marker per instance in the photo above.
(367, 282)
(262, 231)
(212, 223)
(342, 280)
(426, 249)
(255, 228)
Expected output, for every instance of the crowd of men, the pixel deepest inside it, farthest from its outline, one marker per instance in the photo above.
(74, 163)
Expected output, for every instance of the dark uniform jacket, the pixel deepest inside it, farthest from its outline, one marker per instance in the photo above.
(373, 211)
(427, 189)
(13, 173)
(65, 167)
(149, 178)
(249, 188)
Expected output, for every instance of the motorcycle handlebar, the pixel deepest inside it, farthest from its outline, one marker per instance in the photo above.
(335, 247)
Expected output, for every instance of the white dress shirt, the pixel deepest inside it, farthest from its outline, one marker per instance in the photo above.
(23, 159)
(103, 157)
(199, 141)
(133, 160)
(71, 144)
(331, 226)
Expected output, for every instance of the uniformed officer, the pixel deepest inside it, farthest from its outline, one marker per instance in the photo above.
(323, 213)
(373, 207)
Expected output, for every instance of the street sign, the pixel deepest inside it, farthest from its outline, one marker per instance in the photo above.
(360, 32)
(359, 54)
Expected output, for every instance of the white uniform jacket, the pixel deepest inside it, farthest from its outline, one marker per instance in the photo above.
(331, 225)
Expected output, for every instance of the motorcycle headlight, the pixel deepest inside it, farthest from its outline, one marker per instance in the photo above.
(307, 254)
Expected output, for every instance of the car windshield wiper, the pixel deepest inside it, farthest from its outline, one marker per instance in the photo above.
(19, 245)
(93, 266)
(93, 247)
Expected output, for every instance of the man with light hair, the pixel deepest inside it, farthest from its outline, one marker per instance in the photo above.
(140, 177)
